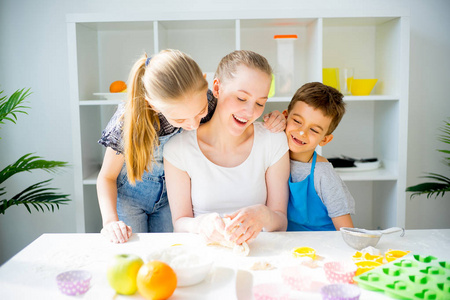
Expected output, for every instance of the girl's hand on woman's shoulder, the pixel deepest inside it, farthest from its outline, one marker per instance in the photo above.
(275, 121)
(246, 223)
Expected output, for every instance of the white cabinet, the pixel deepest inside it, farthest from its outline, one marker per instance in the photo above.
(102, 49)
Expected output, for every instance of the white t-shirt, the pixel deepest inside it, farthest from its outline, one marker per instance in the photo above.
(221, 189)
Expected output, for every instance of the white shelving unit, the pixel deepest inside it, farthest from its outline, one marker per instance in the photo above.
(102, 49)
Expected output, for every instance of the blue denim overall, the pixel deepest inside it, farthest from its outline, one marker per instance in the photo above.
(306, 211)
(145, 206)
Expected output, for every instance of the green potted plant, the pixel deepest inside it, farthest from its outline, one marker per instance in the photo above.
(441, 183)
(37, 195)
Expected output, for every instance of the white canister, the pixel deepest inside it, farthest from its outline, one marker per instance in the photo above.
(284, 73)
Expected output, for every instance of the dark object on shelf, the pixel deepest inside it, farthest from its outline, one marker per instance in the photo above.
(349, 162)
(362, 160)
(341, 162)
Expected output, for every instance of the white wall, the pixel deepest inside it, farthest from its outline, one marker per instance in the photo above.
(33, 53)
(429, 106)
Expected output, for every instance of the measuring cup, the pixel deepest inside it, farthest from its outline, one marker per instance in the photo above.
(359, 238)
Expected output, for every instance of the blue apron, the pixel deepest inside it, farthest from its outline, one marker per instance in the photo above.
(306, 211)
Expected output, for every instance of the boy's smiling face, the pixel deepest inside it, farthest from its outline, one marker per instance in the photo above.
(306, 128)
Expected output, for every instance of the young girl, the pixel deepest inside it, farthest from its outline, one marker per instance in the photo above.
(231, 167)
(166, 93)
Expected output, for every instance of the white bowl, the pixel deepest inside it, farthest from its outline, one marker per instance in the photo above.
(187, 276)
(190, 266)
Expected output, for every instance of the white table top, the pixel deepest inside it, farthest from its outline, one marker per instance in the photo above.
(31, 273)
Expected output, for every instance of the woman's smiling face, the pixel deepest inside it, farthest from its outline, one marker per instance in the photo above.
(241, 99)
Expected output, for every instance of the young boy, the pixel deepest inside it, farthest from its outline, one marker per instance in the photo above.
(318, 198)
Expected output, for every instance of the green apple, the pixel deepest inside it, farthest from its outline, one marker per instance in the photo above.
(122, 273)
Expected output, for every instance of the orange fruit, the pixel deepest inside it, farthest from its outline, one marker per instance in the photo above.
(117, 86)
(156, 280)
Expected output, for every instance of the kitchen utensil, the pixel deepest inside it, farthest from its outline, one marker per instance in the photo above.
(415, 277)
(189, 264)
(367, 265)
(340, 271)
(359, 256)
(304, 251)
(358, 238)
(392, 255)
(340, 291)
(270, 291)
(330, 77)
(362, 87)
(297, 277)
(345, 80)
(285, 64)
(74, 282)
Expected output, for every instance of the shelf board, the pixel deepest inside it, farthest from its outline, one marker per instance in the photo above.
(91, 179)
(99, 102)
(365, 21)
(347, 98)
(372, 98)
(381, 174)
(273, 99)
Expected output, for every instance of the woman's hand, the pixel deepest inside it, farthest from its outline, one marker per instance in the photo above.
(247, 223)
(275, 121)
(211, 227)
(116, 232)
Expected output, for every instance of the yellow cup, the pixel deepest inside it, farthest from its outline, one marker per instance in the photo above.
(367, 265)
(304, 251)
(367, 257)
(362, 87)
(392, 255)
(330, 77)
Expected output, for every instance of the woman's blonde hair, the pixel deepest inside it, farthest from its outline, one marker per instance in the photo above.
(163, 80)
(228, 65)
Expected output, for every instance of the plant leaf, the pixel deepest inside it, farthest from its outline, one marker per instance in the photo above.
(13, 105)
(38, 195)
(29, 162)
(429, 188)
(437, 177)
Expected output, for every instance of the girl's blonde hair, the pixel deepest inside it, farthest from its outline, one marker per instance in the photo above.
(167, 77)
(228, 65)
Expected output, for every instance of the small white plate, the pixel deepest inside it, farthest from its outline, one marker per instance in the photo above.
(112, 96)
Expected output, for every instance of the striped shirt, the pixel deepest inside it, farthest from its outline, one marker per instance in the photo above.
(112, 135)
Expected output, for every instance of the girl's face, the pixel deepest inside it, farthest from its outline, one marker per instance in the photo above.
(241, 99)
(187, 111)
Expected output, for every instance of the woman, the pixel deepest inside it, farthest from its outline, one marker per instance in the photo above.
(231, 167)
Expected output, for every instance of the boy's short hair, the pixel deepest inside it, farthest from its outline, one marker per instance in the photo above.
(326, 98)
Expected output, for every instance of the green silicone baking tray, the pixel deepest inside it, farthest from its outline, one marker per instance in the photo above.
(413, 276)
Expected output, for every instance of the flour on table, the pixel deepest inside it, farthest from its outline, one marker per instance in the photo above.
(262, 265)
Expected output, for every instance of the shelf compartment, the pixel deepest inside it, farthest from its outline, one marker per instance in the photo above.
(258, 35)
(92, 178)
(371, 46)
(368, 129)
(375, 208)
(206, 41)
(93, 119)
(120, 45)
